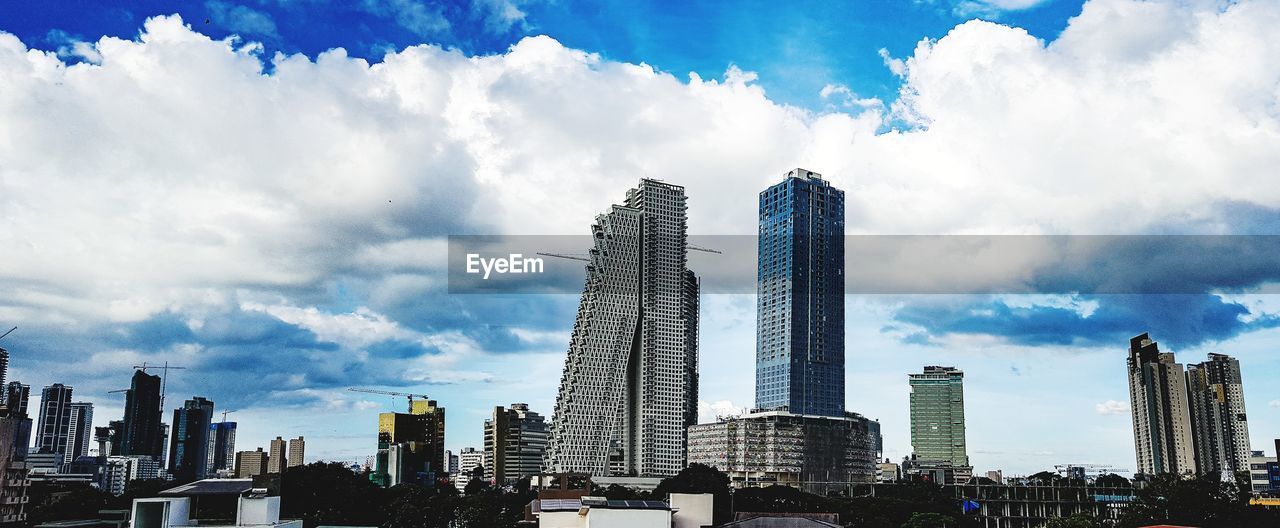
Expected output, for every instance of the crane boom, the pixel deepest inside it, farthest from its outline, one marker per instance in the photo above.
(565, 256)
(391, 393)
(9, 332)
(692, 247)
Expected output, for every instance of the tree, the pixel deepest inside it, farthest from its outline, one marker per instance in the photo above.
(1112, 480)
(1074, 521)
(330, 494)
(930, 520)
(699, 478)
(477, 484)
(79, 503)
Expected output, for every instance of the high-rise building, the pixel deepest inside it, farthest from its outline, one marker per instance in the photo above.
(410, 446)
(79, 431)
(629, 388)
(222, 447)
(144, 432)
(937, 424)
(250, 464)
(1219, 426)
(278, 461)
(1161, 418)
(515, 442)
(800, 302)
(15, 434)
(4, 369)
(452, 460)
(189, 446)
(297, 452)
(16, 397)
(54, 418)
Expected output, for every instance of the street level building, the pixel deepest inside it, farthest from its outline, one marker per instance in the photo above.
(629, 388)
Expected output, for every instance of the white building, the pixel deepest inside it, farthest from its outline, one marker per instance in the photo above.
(122, 469)
(253, 509)
(683, 511)
(629, 388)
(469, 459)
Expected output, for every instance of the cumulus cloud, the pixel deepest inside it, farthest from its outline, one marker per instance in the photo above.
(173, 180)
(241, 19)
(709, 412)
(1111, 407)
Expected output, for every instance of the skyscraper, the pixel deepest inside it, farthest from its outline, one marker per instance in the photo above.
(143, 428)
(937, 423)
(54, 419)
(189, 447)
(297, 452)
(1158, 400)
(1219, 426)
(629, 388)
(800, 302)
(79, 430)
(250, 464)
(222, 447)
(515, 442)
(276, 463)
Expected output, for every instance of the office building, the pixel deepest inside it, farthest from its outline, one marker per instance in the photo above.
(411, 445)
(297, 452)
(1158, 401)
(938, 426)
(54, 419)
(250, 464)
(1219, 426)
(800, 302)
(629, 388)
(277, 462)
(120, 470)
(222, 448)
(814, 453)
(15, 433)
(189, 445)
(452, 460)
(515, 442)
(144, 430)
(468, 460)
(16, 397)
(1264, 472)
(79, 431)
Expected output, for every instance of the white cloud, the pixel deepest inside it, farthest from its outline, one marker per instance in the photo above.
(708, 412)
(1111, 407)
(1274, 403)
(242, 19)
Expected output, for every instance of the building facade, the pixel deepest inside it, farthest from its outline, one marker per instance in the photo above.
(16, 397)
(222, 447)
(938, 426)
(297, 452)
(815, 453)
(189, 447)
(629, 388)
(144, 430)
(1219, 425)
(1161, 412)
(79, 431)
(250, 464)
(15, 434)
(800, 297)
(469, 459)
(515, 443)
(277, 462)
(410, 445)
(53, 419)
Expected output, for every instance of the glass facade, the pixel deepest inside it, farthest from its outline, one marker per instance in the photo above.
(800, 302)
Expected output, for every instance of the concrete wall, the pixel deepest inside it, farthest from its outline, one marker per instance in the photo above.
(692, 511)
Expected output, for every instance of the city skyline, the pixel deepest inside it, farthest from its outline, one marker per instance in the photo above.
(298, 252)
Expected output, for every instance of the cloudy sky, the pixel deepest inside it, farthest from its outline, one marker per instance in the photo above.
(260, 191)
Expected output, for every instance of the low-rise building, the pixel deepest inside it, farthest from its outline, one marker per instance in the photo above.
(682, 511)
(1264, 473)
(814, 453)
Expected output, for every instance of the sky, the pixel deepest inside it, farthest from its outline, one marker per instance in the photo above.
(261, 191)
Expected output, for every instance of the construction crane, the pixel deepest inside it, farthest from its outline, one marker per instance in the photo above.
(9, 332)
(392, 393)
(225, 413)
(566, 256)
(163, 378)
(117, 391)
(692, 247)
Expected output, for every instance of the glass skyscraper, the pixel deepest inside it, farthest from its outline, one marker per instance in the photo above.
(800, 307)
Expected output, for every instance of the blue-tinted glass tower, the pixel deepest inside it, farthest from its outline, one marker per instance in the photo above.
(800, 303)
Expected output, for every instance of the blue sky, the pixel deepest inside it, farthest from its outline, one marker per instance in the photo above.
(277, 223)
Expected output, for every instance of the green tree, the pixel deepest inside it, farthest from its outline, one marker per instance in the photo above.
(330, 494)
(74, 504)
(930, 520)
(699, 478)
(1074, 521)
